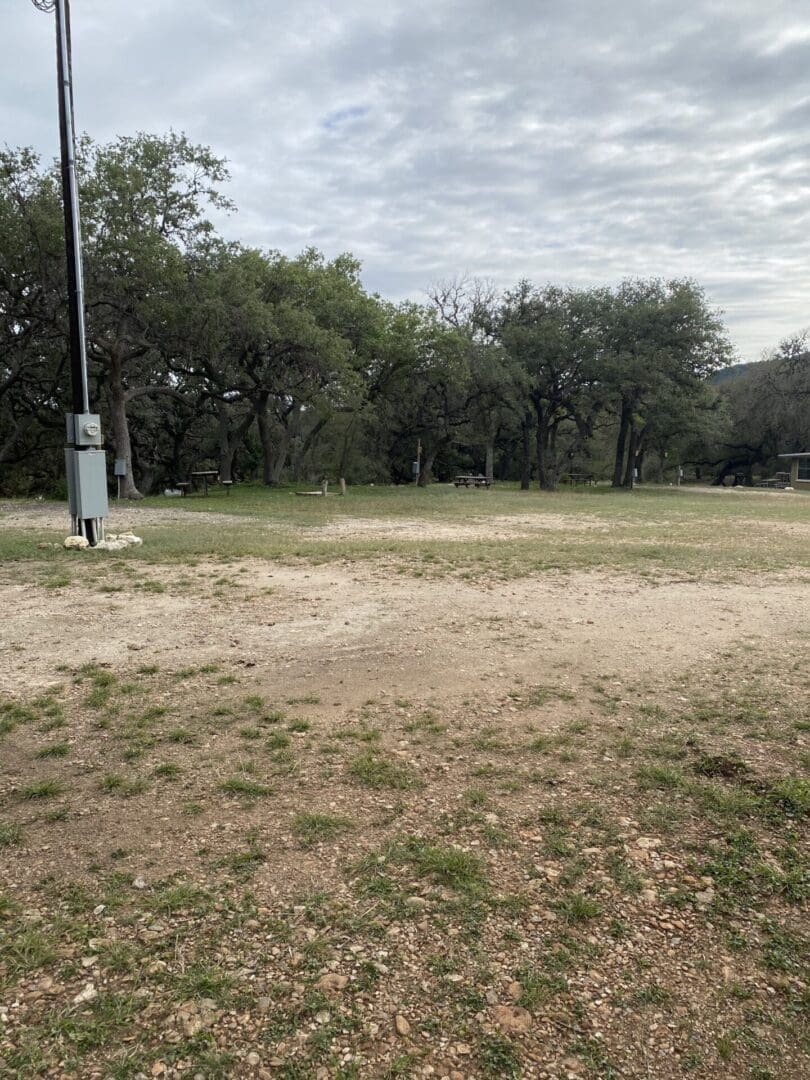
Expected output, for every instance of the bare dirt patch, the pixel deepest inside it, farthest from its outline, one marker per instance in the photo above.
(366, 629)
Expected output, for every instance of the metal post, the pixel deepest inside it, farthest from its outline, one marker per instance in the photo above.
(70, 199)
(85, 463)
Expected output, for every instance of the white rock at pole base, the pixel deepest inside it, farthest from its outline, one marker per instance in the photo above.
(76, 542)
(118, 541)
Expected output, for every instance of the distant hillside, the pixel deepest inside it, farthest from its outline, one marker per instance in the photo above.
(733, 372)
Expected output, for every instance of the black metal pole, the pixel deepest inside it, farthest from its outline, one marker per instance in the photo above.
(70, 199)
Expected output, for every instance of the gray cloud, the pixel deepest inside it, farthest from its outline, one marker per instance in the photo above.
(577, 143)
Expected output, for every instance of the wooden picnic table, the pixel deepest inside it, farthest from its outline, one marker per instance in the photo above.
(472, 480)
(205, 475)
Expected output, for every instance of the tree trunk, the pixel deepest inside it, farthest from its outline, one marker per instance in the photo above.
(230, 441)
(621, 441)
(426, 475)
(545, 467)
(489, 466)
(120, 427)
(526, 453)
(632, 448)
(266, 439)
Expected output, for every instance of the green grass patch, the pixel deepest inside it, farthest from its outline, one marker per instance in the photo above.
(316, 828)
(374, 769)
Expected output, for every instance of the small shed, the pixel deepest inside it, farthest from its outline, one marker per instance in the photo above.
(799, 470)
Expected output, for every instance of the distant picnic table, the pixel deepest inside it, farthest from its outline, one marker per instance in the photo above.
(205, 475)
(581, 478)
(472, 480)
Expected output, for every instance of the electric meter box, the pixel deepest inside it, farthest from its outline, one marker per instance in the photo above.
(84, 429)
(87, 483)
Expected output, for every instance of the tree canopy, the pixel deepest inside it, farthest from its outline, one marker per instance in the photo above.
(205, 353)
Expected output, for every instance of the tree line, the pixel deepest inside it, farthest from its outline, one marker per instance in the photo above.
(207, 353)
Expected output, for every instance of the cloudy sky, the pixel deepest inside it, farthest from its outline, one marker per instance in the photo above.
(573, 141)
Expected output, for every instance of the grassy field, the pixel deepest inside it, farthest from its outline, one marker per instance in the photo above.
(648, 530)
(249, 832)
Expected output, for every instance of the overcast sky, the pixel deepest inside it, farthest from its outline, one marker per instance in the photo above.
(572, 141)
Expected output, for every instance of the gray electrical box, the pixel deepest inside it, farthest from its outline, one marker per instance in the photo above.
(120, 467)
(87, 483)
(84, 429)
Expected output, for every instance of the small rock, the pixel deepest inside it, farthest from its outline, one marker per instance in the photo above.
(512, 1017)
(88, 994)
(253, 1059)
(402, 1025)
(139, 883)
(705, 897)
(514, 990)
(646, 843)
(332, 982)
(415, 903)
(76, 543)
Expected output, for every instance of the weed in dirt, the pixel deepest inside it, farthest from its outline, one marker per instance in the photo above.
(172, 898)
(115, 784)
(533, 697)
(576, 907)
(451, 866)
(313, 828)
(204, 981)
(538, 987)
(167, 770)
(651, 994)
(181, 735)
(622, 872)
(42, 789)
(244, 863)
(498, 1057)
(375, 770)
(26, 950)
(277, 740)
(476, 798)
(791, 795)
(57, 750)
(243, 785)
(10, 834)
(426, 723)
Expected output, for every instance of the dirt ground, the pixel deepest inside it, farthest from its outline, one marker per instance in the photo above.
(514, 865)
(369, 631)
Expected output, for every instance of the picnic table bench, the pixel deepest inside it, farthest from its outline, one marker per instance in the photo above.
(472, 480)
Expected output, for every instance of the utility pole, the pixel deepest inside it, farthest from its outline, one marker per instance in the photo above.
(85, 460)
